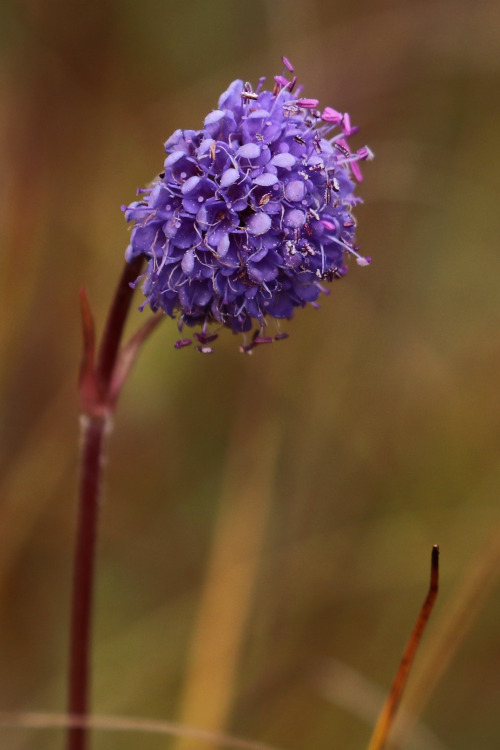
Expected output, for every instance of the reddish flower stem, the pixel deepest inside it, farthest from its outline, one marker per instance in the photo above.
(115, 324)
(97, 410)
(93, 429)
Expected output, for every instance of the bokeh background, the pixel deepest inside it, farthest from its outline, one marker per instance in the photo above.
(267, 520)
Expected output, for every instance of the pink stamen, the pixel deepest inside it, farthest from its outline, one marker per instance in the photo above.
(328, 224)
(365, 153)
(356, 170)
(331, 115)
(308, 103)
(346, 124)
(263, 340)
(205, 338)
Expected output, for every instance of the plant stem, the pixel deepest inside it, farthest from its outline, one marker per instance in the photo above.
(115, 324)
(95, 421)
(93, 429)
(386, 717)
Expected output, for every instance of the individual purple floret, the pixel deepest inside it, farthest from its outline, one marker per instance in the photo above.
(252, 213)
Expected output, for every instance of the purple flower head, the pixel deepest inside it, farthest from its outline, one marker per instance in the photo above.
(252, 213)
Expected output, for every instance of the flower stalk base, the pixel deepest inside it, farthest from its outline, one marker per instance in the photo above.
(101, 378)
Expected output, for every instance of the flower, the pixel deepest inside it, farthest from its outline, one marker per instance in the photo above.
(252, 213)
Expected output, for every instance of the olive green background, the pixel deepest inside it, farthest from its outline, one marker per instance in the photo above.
(266, 520)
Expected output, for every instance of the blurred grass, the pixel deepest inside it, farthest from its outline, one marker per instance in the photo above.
(351, 448)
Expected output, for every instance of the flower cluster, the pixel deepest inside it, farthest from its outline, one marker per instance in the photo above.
(252, 213)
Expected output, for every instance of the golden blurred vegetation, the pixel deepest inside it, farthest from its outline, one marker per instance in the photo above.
(267, 520)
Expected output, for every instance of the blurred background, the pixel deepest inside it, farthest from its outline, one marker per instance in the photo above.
(267, 520)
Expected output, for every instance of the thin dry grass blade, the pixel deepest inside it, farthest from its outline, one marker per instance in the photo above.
(386, 718)
(43, 720)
